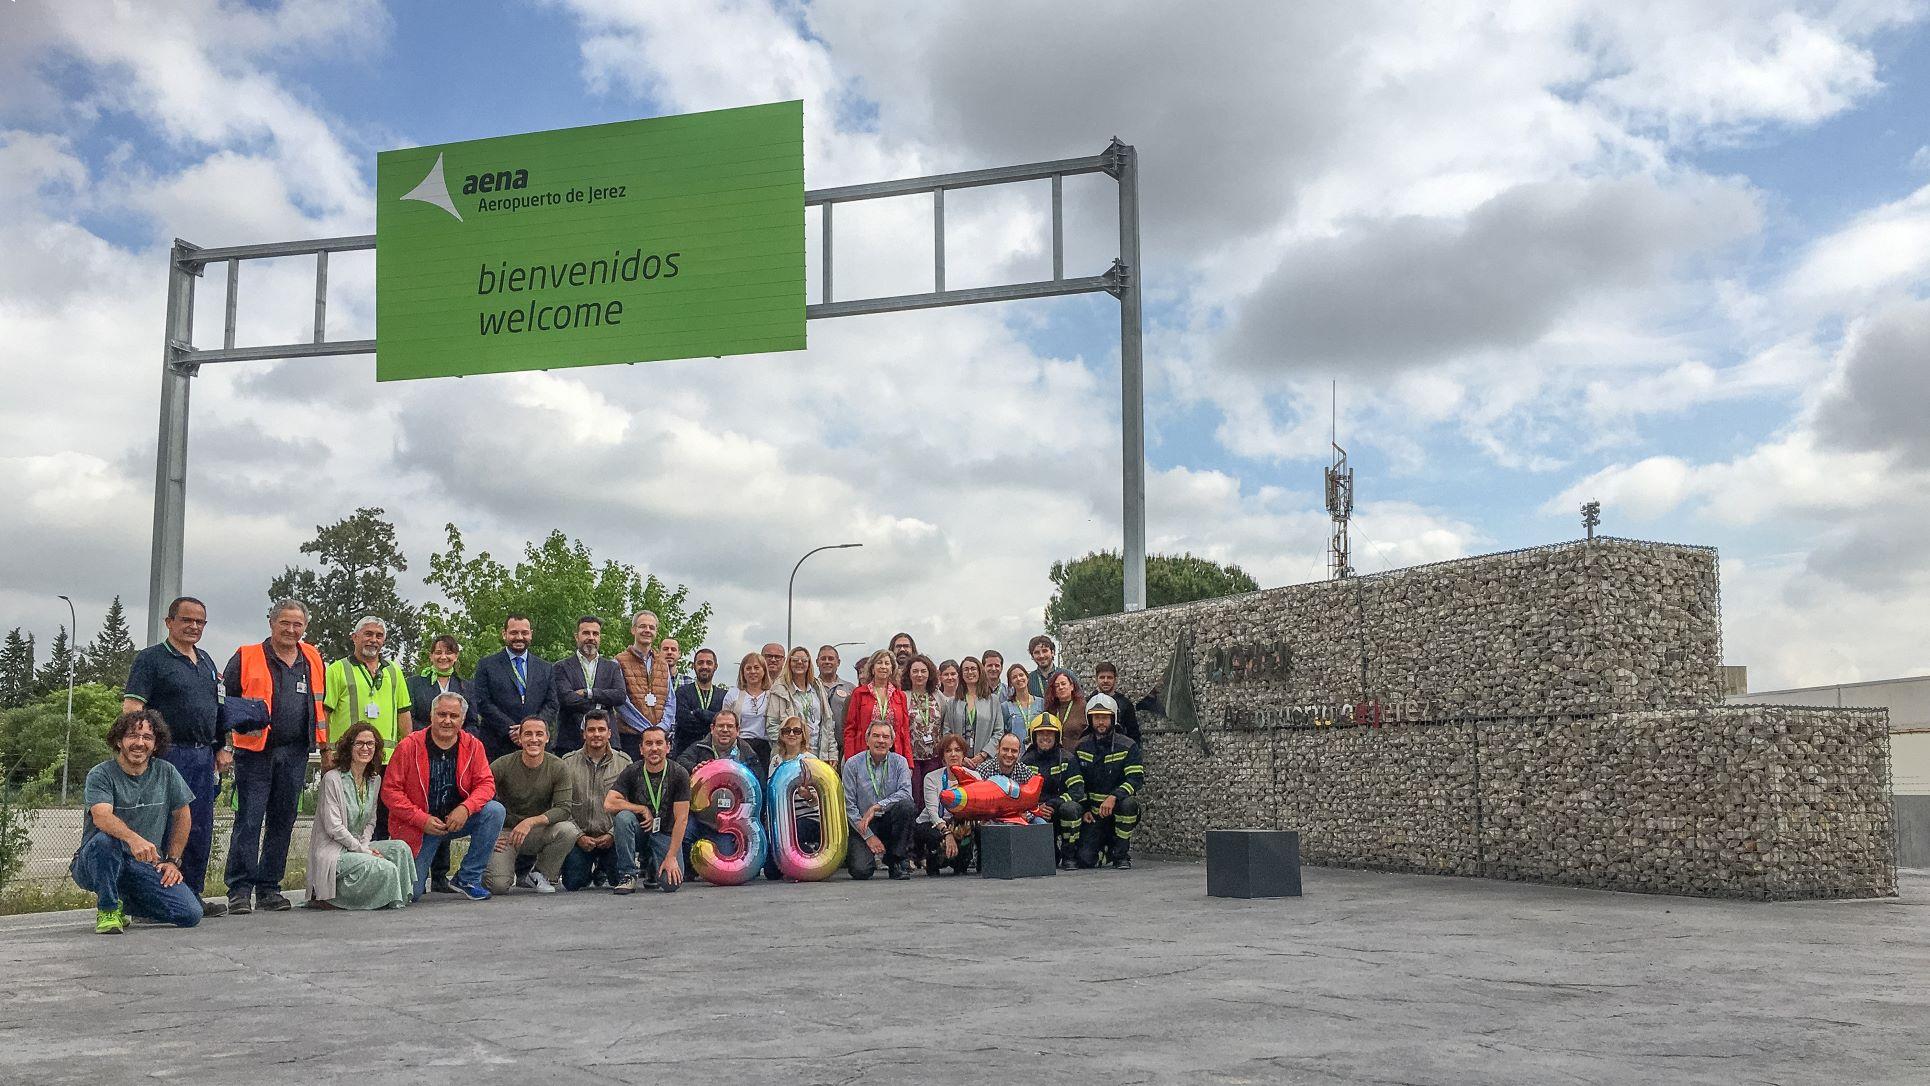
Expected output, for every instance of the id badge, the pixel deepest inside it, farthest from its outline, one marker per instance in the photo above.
(650, 700)
(301, 686)
(373, 712)
(655, 822)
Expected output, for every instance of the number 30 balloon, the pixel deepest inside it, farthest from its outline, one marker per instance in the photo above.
(725, 796)
(792, 859)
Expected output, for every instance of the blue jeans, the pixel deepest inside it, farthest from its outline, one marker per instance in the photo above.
(482, 829)
(627, 829)
(268, 787)
(197, 769)
(105, 868)
(580, 867)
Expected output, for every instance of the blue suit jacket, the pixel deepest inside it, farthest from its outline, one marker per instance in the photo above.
(502, 705)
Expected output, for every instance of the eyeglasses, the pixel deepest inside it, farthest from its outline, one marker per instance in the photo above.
(361, 743)
(190, 621)
(790, 731)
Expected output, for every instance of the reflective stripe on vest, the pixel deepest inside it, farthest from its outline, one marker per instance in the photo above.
(257, 681)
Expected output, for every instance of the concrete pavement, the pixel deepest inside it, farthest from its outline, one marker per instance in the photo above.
(1085, 977)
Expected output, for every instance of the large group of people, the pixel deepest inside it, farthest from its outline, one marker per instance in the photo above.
(572, 774)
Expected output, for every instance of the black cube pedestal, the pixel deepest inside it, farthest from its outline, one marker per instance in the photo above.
(1007, 851)
(1252, 863)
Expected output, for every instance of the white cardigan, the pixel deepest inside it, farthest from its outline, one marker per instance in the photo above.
(331, 835)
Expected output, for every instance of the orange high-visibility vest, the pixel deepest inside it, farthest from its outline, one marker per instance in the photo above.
(258, 682)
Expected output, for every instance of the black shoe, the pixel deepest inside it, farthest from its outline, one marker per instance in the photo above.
(898, 871)
(212, 907)
(441, 885)
(1123, 863)
(238, 905)
(272, 901)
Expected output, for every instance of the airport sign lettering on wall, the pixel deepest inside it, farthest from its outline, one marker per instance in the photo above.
(673, 237)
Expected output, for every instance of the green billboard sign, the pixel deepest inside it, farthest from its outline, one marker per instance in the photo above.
(673, 237)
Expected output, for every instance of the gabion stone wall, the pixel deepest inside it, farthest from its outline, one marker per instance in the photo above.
(1745, 801)
(1549, 715)
(1577, 627)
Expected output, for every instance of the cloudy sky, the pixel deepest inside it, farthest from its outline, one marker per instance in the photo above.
(1672, 256)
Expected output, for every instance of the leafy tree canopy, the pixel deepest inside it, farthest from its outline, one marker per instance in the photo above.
(557, 581)
(110, 656)
(1096, 584)
(359, 559)
(16, 669)
(61, 660)
(33, 737)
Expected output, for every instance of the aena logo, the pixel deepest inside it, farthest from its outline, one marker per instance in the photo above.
(434, 188)
(500, 181)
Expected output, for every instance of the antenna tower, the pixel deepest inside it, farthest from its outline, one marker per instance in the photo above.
(1340, 497)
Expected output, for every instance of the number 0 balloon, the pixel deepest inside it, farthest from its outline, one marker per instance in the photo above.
(791, 856)
(724, 795)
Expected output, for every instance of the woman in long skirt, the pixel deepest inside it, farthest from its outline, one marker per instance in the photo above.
(347, 869)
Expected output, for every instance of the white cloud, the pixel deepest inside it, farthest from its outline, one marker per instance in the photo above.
(1694, 68)
(1880, 252)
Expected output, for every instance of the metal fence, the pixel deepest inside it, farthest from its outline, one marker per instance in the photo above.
(55, 834)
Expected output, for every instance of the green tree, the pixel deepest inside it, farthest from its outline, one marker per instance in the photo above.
(16, 669)
(1096, 584)
(557, 581)
(53, 674)
(16, 840)
(33, 737)
(359, 559)
(110, 655)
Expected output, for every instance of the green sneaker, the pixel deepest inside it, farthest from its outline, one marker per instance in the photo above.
(109, 922)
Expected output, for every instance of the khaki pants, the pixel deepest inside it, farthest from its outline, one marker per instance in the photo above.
(549, 844)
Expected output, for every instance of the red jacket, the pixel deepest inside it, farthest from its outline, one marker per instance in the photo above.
(405, 783)
(863, 706)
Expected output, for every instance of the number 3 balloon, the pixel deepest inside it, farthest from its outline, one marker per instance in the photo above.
(724, 795)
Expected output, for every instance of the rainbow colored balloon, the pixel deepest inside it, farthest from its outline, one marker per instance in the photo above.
(789, 852)
(978, 799)
(725, 796)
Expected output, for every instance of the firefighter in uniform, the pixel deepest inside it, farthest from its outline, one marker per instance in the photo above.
(1064, 798)
(1109, 763)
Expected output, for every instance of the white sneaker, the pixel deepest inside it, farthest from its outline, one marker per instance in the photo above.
(526, 881)
(540, 884)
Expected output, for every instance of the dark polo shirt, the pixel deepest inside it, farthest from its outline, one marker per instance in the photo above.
(186, 690)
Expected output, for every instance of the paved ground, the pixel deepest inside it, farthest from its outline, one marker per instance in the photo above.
(1098, 977)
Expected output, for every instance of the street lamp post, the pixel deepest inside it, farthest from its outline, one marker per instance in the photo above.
(68, 756)
(792, 586)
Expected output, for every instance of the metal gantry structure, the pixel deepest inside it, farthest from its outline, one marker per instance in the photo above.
(186, 263)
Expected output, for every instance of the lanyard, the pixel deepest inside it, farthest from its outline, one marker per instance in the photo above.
(883, 703)
(516, 666)
(655, 794)
(349, 670)
(971, 715)
(703, 697)
(877, 784)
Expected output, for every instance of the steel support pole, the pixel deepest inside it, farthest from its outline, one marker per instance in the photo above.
(171, 454)
(1132, 381)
